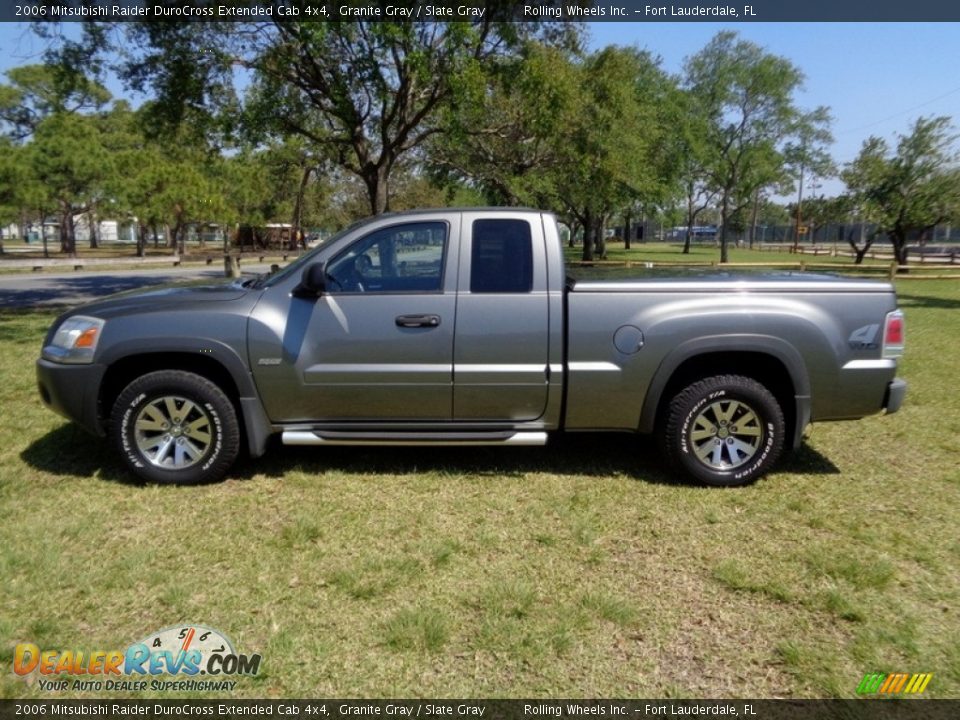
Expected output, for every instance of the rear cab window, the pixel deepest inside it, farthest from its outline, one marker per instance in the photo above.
(501, 259)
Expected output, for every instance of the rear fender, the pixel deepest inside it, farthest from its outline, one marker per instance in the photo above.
(772, 347)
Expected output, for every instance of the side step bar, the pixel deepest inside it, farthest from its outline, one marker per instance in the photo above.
(330, 437)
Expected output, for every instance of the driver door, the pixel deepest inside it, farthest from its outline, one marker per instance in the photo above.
(377, 345)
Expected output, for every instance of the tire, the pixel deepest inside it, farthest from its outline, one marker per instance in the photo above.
(175, 427)
(725, 431)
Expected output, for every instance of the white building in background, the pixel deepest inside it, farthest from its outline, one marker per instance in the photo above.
(111, 231)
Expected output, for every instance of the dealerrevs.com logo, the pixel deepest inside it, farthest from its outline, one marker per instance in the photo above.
(183, 652)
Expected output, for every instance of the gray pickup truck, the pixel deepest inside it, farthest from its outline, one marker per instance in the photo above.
(461, 327)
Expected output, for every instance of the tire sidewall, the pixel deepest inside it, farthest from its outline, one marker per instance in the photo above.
(771, 420)
(219, 455)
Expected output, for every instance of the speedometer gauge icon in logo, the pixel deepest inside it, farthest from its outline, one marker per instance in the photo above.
(192, 650)
(201, 641)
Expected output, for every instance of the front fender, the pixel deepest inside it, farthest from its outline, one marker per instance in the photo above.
(207, 348)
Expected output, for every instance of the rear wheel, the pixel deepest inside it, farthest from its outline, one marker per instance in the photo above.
(175, 427)
(725, 430)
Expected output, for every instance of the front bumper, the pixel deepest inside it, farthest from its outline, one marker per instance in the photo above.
(896, 391)
(72, 391)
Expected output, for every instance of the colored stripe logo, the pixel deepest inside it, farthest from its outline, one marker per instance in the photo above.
(894, 683)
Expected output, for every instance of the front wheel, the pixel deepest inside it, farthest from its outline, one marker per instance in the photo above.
(725, 430)
(175, 427)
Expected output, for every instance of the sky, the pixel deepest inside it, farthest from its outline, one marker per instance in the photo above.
(877, 78)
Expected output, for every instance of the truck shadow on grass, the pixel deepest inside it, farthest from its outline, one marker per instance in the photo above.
(69, 451)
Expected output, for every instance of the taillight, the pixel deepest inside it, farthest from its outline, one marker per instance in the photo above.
(893, 335)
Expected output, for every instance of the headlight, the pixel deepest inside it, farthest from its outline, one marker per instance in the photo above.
(75, 340)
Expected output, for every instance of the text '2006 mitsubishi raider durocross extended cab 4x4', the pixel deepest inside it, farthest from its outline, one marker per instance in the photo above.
(461, 327)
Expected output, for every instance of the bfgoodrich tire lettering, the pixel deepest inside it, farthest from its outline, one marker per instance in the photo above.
(725, 430)
(175, 427)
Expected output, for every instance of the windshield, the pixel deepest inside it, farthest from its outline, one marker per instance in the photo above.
(301, 262)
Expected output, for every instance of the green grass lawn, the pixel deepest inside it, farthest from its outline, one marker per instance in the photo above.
(579, 569)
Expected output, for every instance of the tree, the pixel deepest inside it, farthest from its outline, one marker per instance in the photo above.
(37, 91)
(613, 151)
(746, 95)
(370, 93)
(12, 175)
(908, 192)
(819, 211)
(166, 185)
(505, 136)
(695, 156)
(62, 160)
(584, 136)
(67, 157)
(806, 155)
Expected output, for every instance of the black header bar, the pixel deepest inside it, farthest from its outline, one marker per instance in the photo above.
(734, 11)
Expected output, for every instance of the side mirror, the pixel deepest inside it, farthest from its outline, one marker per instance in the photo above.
(313, 281)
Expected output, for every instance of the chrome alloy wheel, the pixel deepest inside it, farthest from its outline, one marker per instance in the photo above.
(173, 432)
(726, 434)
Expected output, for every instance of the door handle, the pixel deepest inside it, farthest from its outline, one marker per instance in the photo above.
(412, 321)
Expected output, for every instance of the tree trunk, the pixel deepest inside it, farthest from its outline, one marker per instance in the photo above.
(298, 209)
(859, 252)
(68, 238)
(724, 209)
(626, 230)
(177, 236)
(588, 237)
(900, 248)
(94, 224)
(753, 219)
(599, 239)
(43, 236)
(796, 235)
(141, 239)
(22, 226)
(691, 219)
(376, 181)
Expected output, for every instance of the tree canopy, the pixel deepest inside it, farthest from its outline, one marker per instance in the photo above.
(368, 94)
(315, 124)
(746, 94)
(909, 190)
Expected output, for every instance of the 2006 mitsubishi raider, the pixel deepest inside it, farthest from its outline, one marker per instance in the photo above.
(459, 327)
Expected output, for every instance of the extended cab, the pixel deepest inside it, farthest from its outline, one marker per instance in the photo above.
(462, 327)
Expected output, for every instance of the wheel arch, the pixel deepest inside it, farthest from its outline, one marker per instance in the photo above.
(770, 361)
(122, 371)
(207, 362)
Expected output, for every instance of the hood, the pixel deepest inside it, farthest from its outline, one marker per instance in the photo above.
(175, 296)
